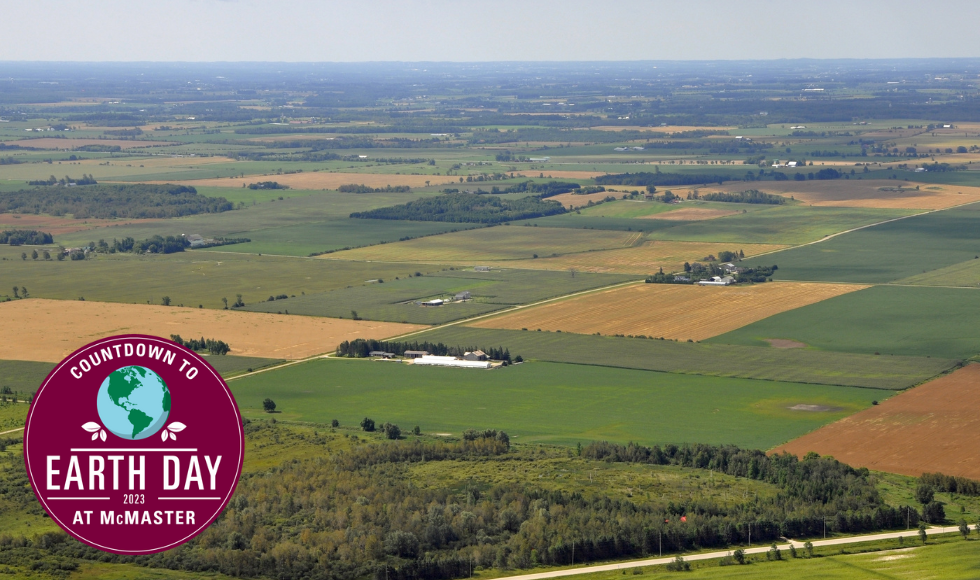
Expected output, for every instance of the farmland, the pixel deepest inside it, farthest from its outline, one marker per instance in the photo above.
(892, 320)
(585, 403)
(249, 334)
(645, 258)
(916, 432)
(684, 312)
(394, 300)
(890, 251)
(721, 360)
(876, 193)
(499, 243)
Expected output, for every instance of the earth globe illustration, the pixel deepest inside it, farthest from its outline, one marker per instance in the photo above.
(133, 402)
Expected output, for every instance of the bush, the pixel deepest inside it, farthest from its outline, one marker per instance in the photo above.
(269, 405)
(678, 565)
(367, 424)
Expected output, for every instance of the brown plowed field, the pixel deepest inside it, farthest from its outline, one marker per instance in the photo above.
(52, 143)
(931, 428)
(864, 193)
(49, 330)
(647, 258)
(667, 310)
(324, 180)
(58, 225)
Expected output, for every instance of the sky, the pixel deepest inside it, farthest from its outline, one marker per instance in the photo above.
(483, 30)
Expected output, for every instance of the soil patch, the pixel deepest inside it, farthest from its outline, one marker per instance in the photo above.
(692, 214)
(785, 343)
(925, 429)
(815, 408)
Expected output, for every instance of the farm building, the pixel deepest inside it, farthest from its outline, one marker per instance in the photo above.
(475, 355)
(731, 268)
(381, 354)
(449, 361)
(481, 269)
(717, 281)
(464, 295)
(416, 353)
(434, 302)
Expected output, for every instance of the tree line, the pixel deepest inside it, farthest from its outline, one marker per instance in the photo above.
(749, 196)
(85, 180)
(25, 237)
(361, 348)
(466, 207)
(355, 188)
(210, 345)
(113, 201)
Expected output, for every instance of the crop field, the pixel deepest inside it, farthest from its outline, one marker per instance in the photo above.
(696, 214)
(721, 360)
(922, 430)
(494, 244)
(305, 239)
(647, 258)
(887, 252)
(671, 311)
(52, 143)
(329, 180)
(891, 320)
(190, 278)
(964, 274)
(573, 200)
(583, 403)
(57, 331)
(778, 225)
(394, 300)
(637, 209)
(57, 226)
(871, 193)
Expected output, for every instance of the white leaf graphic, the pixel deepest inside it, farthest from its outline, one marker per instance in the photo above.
(95, 436)
(172, 436)
(177, 427)
(164, 435)
(102, 435)
(91, 427)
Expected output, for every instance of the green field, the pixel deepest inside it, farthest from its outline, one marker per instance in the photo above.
(887, 252)
(393, 300)
(964, 274)
(587, 222)
(191, 278)
(778, 225)
(720, 360)
(550, 402)
(892, 320)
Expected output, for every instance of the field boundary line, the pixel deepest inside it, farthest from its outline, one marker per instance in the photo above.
(911, 534)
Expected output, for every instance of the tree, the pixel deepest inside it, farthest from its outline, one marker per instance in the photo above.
(33, 254)
(335, 423)
(964, 529)
(391, 431)
(354, 316)
(416, 430)
(16, 292)
(269, 405)
(739, 555)
(238, 303)
(687, 266)
(933, 512)
(774, 553)
(225, 301)
(23, 255)
(47, 255)
(924, 493)
(165, 300)
(922, 532)
(808, 547)
(678, 565)
(367, 424)
(23, 292)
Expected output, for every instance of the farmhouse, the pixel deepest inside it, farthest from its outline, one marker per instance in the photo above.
(717, 281)
(449, 361)
(481, 269)
(416, 353)
(475, 355)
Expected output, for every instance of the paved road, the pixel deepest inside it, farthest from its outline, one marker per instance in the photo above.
(910, 534)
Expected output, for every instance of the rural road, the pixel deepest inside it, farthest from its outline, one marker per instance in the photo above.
(11, 431)
(910, 534)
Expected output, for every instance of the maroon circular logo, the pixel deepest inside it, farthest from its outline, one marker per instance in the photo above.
(133, 444)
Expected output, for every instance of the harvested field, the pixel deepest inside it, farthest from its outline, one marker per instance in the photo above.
(572, 200)
(670, 129)
(171, 161)
(692, 214)
(670, 311)
(565, 174)
(647, 258)
(869, 193)
(60, 327)
(323, 180)
(476, 247)
(926, 429)
(59, 225)
(52, 143)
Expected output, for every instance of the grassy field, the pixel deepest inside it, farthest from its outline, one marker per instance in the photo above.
(586, 222)
(394, 299)
(549, 402)
(722, 360)
(964, 274)
(190, 278)
(887, 252)
(306, 239)
(892, 320)
(493, 244)
(778, 225)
